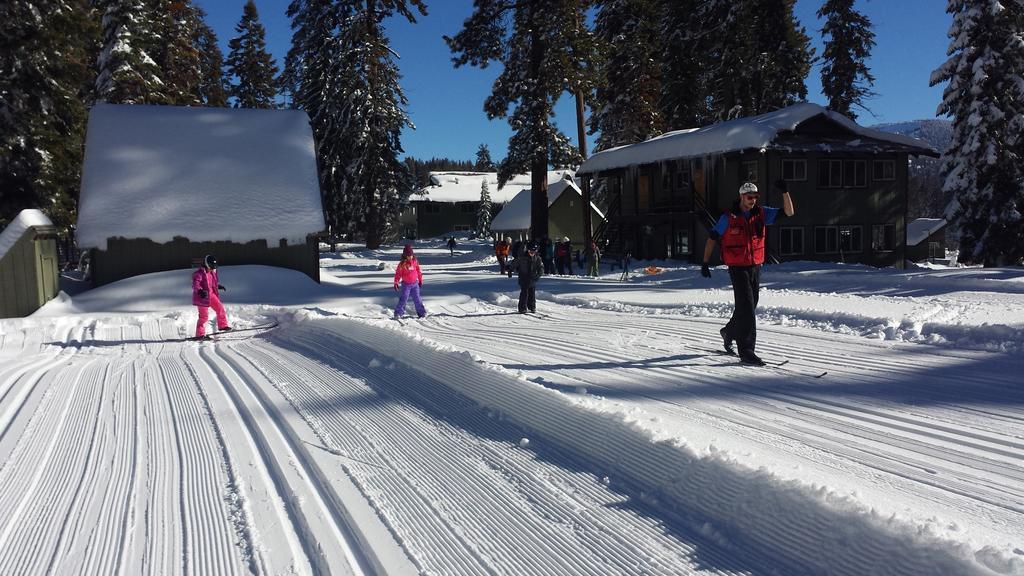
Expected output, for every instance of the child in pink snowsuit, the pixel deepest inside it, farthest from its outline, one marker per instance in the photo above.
(205, 286)
(411, 277)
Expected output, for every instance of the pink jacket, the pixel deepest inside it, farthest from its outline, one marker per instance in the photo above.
(408, 272)
(203, 279)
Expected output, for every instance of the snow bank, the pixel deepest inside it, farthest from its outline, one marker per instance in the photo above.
(817, 530)
(207, 174)
(22, 222)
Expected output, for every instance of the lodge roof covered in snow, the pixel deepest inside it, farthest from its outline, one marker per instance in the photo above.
(465, 186)
(207, 174)
(756, 133)
(516, 214)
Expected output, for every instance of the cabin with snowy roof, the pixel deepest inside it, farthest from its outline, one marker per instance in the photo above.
(926, 239)
(162, 186)
(565, 201)
(848, 183)
(29, 276)
(450, 202)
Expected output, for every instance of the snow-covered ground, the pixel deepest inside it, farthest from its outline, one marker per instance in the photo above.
(601, 436)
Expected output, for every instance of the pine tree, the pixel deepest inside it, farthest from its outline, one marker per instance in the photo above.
(181, 61)
(983, 168)
(212, 90)
(545, 50)
(684, 61)
(845, 78)
(625, 110)
(763, 57)
(341, 72)
(128, 72)
(483, 212)
(44, 74)
(250, 64)
(483, 159)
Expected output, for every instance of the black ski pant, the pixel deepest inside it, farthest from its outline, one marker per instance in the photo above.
(527, 297)
(742, 327)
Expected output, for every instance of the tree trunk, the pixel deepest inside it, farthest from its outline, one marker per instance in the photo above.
(373, 232)
(588, 227)
(539, 169)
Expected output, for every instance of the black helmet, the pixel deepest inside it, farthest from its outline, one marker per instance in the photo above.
(210, 262)
(531, 247)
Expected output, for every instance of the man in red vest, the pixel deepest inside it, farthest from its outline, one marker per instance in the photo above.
(742, 232)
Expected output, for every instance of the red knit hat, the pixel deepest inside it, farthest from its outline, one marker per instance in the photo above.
(407, 251)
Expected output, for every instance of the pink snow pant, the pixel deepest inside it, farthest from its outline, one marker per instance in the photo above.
(408, 290)
(204, 316)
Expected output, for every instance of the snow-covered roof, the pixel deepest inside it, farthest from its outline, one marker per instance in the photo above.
(755, 132)
(465, 187)
(208, 174)
(516, 214)
(920, 229)
(22, 222)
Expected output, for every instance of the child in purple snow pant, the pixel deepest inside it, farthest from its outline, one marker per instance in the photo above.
(407, 290)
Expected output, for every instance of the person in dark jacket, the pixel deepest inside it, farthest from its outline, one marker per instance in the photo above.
(547, 255)
(530, 268)
(742, 233)
(518, 249)
(451, 245)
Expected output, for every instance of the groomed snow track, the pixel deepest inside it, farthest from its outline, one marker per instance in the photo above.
(360, 445)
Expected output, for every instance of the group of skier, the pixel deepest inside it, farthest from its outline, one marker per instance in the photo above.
(741, 232)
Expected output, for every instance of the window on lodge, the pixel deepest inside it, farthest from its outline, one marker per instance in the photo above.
(748, 171)
(842, 173)
(794, 170)
(791, 240)
(883, 170)
(681, 242)
(826, 240)
(851, 239)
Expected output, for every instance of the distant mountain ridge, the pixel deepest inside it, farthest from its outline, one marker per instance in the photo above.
(936, 131)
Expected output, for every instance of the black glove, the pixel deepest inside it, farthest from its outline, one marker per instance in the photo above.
(781, 185)
(221, 288)
(203, 293)
(705, 271)
(421, 284)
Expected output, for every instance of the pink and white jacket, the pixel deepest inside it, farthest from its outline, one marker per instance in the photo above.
(408, 272)
(203, 279)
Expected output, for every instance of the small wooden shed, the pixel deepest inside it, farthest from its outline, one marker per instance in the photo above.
(29, 276)
(164, 185)
(564, 203)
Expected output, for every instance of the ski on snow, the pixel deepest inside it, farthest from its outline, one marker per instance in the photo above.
(227, 335)
(778, 366)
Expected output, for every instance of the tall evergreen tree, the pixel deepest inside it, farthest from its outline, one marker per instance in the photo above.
(181, 61)
(251, 66)
(212, 89)
(762, 58)
(545, 50)
(341, 71)
(845, 78)
(983, 166)
(483, 159)
(44, 74)
(625, 110)
(684, 59)
(128, 72)
(483, 212)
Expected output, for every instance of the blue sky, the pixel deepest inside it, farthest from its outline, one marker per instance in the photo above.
(446, 104)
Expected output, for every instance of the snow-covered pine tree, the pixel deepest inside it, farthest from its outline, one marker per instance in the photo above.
(625, 108)
(251, 67)
(684, 60)
(763, 57)
(545, 50)
(212, 89)
(483, 212)
(483, 159)
(845, 78)
(128, 72)
(983, 167)
(44, 76)
(341, 72)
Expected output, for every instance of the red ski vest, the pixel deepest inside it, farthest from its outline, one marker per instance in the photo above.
(743, 241)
